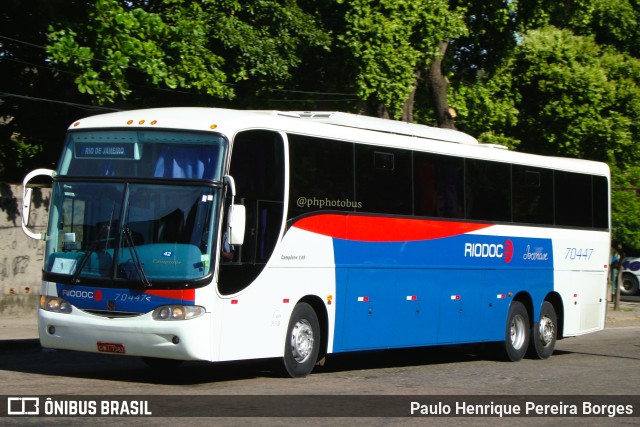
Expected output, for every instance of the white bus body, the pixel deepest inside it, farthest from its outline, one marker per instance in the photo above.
(360, 234)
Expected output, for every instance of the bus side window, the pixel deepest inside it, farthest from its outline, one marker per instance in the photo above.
(257, 166)
(383, 180)
(321, 176)
(438, 185)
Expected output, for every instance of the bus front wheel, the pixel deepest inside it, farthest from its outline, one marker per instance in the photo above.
(544, 332)
(517, 332)
(302, 342)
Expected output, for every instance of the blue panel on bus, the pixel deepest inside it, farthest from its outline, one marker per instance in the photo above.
(122, 300)
(437, 291)
(465, 251)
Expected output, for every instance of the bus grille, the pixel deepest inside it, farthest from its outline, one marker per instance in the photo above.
(112, 314)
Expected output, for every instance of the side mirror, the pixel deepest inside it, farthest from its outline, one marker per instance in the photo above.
(236, 221)
(26, 201)
(237, 216)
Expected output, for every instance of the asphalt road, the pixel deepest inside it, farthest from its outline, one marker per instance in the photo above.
(603, 363)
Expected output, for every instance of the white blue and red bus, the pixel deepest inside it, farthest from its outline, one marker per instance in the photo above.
(221, 235)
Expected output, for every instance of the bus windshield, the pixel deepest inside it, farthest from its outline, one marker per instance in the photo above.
(143, 154)
(137, 223)
(132, 232)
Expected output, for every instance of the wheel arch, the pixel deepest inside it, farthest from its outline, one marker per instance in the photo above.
(525, 299)
(323, 318)
(555, 300)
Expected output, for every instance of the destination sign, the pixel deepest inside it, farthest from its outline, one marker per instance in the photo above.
(96, 150)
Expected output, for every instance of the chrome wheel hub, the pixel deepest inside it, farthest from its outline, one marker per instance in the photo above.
(302, 341)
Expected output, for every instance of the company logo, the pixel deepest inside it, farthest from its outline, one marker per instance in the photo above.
(23, 406)
(508, 251)
(73, 293)
(73, 407)
(631, 265)
(489, 250)
(537, 254)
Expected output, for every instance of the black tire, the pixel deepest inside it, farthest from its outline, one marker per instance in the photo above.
(516, 338)
(544, 333)
(302, 343)
(629, 285)
(161, 364)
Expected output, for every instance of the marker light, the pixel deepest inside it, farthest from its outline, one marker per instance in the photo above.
(54, 304)
(177, 312)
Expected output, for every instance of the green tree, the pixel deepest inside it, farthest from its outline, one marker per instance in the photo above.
(203, 46)
(626, 204)
(36, 105)
(392, 43)
(610, 134)
(568, 102)
(611, 22)
(559, 78)
(481, 93)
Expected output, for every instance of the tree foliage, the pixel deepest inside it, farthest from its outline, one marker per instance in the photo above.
(570, 87)
(391, 41)
(626, 204)
(193, 45)
(568, 102)
(31, 130)
(557, 78)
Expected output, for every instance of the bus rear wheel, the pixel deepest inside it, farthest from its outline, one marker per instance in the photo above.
(543, 333)
(517, 332)
(629, 284)
(302, 343)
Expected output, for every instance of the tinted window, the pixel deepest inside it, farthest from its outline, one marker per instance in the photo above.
(488, 190)
(532, 195)
(600, 202)
(438, 185)
(257, 166)
(149, 153)
(383, 180)
(573, 199)
(321, 175)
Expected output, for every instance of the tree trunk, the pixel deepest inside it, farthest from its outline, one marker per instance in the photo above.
(372, 109)
(407, 108)
(382, 111)
(438, 85)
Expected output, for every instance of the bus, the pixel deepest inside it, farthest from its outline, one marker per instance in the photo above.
(631, 271)
(218, 235)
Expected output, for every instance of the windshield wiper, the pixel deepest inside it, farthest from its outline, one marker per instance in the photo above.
(94, 247)
(128, 236)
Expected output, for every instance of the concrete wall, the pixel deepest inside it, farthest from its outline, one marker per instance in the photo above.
(21, 257)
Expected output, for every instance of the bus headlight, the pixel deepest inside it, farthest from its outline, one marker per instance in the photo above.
(55, 304)
(177, 312)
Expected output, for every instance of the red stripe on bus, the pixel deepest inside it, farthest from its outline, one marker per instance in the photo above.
(184, 295)
(383, 229)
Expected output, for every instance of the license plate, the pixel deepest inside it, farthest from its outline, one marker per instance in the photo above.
(110, 347)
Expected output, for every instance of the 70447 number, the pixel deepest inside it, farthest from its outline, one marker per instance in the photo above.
(579, 254)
